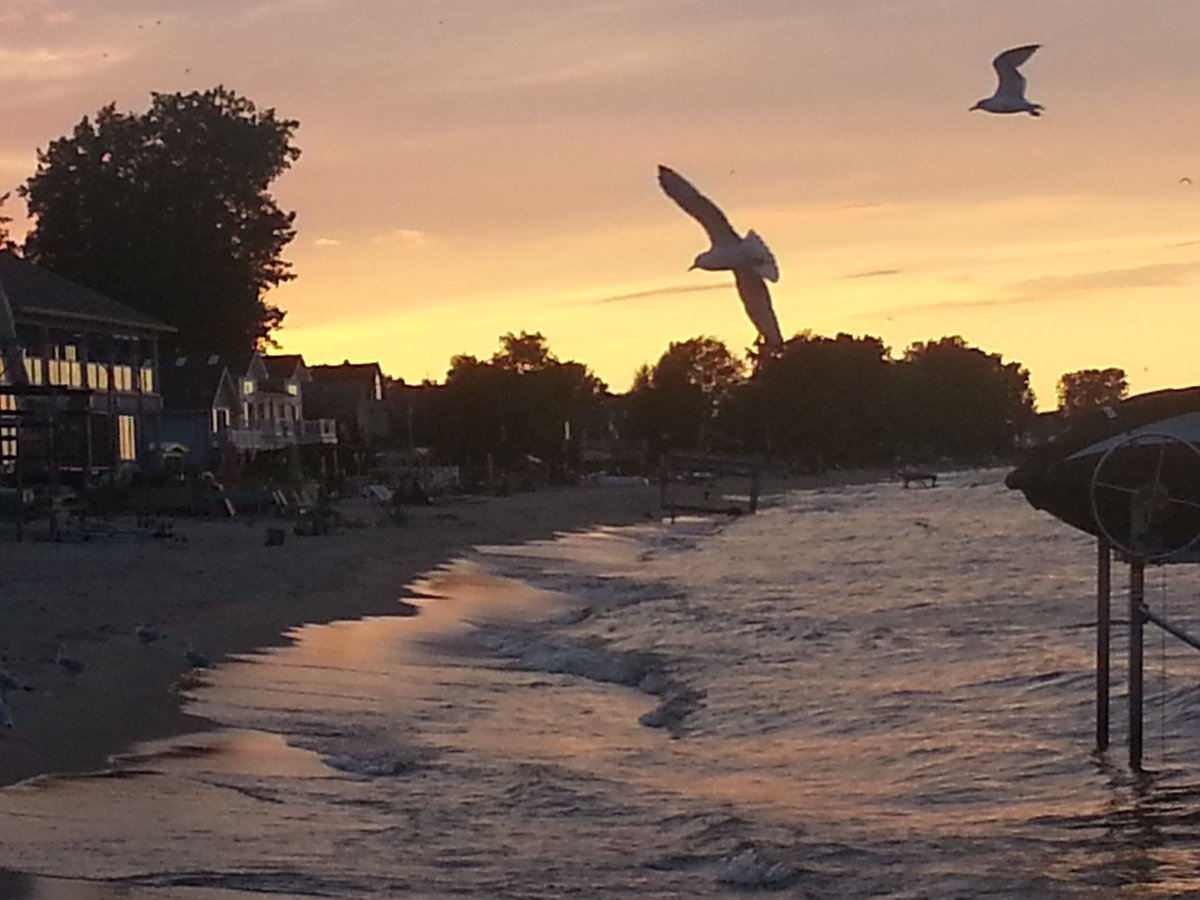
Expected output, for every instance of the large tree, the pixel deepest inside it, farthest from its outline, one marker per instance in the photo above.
(821, 401)
(1090, 389)
(523, 402)
(961, 402)
(169, 212)
(676, 404)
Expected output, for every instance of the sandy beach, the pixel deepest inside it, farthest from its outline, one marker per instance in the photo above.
(221, 588)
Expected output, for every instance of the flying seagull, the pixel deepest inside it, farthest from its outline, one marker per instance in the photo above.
(1010, 92)
(747, 257)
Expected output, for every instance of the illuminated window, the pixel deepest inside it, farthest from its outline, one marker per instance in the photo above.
(247, 385)
(148, 379)
(33, 369)
(293, 389)
(70, 370)
(122, 377)
(8, 433)
(97, 376)
(126, 439)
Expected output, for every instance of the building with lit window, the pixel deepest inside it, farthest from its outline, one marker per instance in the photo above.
(221, 407)
(89, 400)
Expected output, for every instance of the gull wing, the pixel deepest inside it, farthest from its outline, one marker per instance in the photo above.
(1012, 82)
(756, 298)
(696, 205)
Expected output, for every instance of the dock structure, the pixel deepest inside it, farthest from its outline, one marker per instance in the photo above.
(705, 484)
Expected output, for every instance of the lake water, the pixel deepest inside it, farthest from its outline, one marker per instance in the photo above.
(863, 691)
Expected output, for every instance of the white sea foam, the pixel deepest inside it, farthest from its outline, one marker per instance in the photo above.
(748, 870)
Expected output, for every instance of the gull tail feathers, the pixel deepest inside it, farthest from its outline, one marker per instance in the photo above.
(764, 259)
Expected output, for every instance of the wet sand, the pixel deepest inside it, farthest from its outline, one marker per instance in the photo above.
(222, 589)
(219, 587)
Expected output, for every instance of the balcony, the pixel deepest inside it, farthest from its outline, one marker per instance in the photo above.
(274, 435)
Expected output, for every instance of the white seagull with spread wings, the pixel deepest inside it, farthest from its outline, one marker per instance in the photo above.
(747, 257)
(1010, 92)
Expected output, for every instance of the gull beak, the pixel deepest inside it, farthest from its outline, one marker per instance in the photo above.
(692, 266)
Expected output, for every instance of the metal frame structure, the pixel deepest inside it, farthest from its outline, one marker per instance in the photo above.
(1139, 615)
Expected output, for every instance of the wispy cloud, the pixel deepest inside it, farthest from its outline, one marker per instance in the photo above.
(1050, 288)
(661, 292)
(327, 242)
(410, 237)
(34, 13)
(873, 273)
(39, 64)
(1158, 275)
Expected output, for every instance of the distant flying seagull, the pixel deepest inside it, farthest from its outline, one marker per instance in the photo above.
(747, 257)
(1010, 92)
(1185, 180)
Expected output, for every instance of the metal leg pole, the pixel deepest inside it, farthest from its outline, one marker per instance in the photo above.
(1137, 590)
(1103, 628)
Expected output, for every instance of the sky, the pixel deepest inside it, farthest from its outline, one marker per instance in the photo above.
(475, 167)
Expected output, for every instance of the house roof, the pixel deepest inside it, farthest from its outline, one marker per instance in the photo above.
(192, 383)
(33, 291)
(286, 365)
(347, 371)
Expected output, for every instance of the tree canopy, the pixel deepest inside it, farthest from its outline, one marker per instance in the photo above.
(962, 402)
(674, 405)
(824, 401)
(168, 211)
(6, 242)
(1090, 389)
(521, 406)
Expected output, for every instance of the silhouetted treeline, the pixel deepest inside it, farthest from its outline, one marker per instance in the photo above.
(820, 402)
(522, 415)
(839, 401)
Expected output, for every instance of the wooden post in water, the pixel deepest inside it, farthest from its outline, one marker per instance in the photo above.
(1137, 620)
(1103, 628)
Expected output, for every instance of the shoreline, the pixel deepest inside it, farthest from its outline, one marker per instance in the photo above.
(224, 591)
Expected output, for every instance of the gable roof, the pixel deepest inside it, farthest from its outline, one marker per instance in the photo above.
(39, 293)
(286, 365)
(193, 383)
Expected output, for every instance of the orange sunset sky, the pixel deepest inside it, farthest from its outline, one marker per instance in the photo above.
(472, 167)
